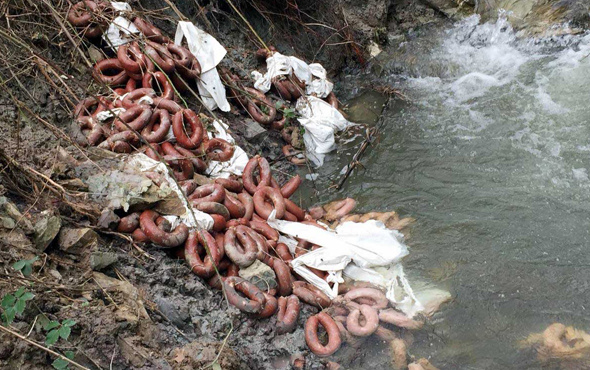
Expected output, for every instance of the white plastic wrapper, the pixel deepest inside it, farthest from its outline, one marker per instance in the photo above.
(144, 164)
(121, 28)
(321, 121)
(362, 251)
(209, 52)
(237, 163)
(313, 75)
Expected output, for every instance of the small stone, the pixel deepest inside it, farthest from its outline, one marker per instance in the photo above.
(7, 222)
(260, 275)
(76, 240)
(55, 274)
(100, 260)
(108, 219)
(46, 230)
(252, 129)
(95, 54)
(11, 211)
(171, 312)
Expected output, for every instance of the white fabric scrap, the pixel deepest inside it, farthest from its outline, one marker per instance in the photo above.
(320, 121)
(236, 164)
(145, 164)
(313, 75)
(209, 52)
(121, 28)
(105, 115)
(362, 251)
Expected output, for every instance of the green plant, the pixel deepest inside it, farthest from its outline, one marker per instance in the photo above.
(25, 266)
(55, 330)
(60, 363)
(13, 304)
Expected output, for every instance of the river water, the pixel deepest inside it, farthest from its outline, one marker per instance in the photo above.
(491, 155)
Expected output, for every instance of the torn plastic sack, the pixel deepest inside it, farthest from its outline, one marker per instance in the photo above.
(313, 75)
(320, 121)
(361, 251)
(142, 163)
(121, 28)
(236, 164)
(209, 52)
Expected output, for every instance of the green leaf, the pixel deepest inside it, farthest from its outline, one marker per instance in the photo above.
(8, 301)
(27, 296)
(52, 337)
(278, 104)
(19, 265)
(69, 354)
(27, 270)
(51, 325)
(68, 322)
(216, 366)
(9, 315)
(60, 364)
(64, 332)
(19, 292)
(20, 305)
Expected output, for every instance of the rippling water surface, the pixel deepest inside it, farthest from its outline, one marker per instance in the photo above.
(491, 156)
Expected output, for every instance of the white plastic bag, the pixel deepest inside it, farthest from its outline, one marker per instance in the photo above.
(209, 52)
(320, 121)
(121, 28)
(237, 163)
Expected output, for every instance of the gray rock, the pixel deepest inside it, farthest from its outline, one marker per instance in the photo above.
(9, 210)
(46, 230)
(171, 312)
(260, 275)
(95, 54)
(7, 222)
(76, 240)
(100, 260)
(252, 128)
(108, 220)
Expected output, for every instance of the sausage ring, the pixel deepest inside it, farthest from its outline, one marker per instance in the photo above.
(202, 268)
(254, 105)
(110, 72)
(284, 280)
(270, 307)
(239, 246)
(234, 206)
(136, 118)
(157, 127)
(162, 84)
(80, 15)
(150, 31)
(208, 193)
(159, 55)
(248, 176)
(178, 128)
(377, 297)
(254, 300)
(131, 58)
(311, 334)
(311, 295)
(291, 186)
(354, 326)
(219, 150)
(288, 313)
(135, 97)
(199, 164)
(185, 169)
(262, 208)
(157, 236)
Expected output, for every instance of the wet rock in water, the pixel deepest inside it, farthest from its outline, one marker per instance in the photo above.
(100, 260)
(260, 275)
(451, 8)
(365, 16)
(77, 240)
(46, 229)
(539, 16)
(431, 298)
(366, 107)
(421, 364)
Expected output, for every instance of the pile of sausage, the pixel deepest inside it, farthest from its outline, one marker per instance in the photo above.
(146, 76)
(241, 235)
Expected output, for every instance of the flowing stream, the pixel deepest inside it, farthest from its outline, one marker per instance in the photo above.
(491, 155)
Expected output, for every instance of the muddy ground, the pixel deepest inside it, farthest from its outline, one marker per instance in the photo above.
(132, 307)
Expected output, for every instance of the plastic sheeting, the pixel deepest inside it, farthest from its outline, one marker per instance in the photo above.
(321, 121)
(236, 164)
(143, 163)
(361, 251)
(209, 52)
(121, 28)
(313, 75)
